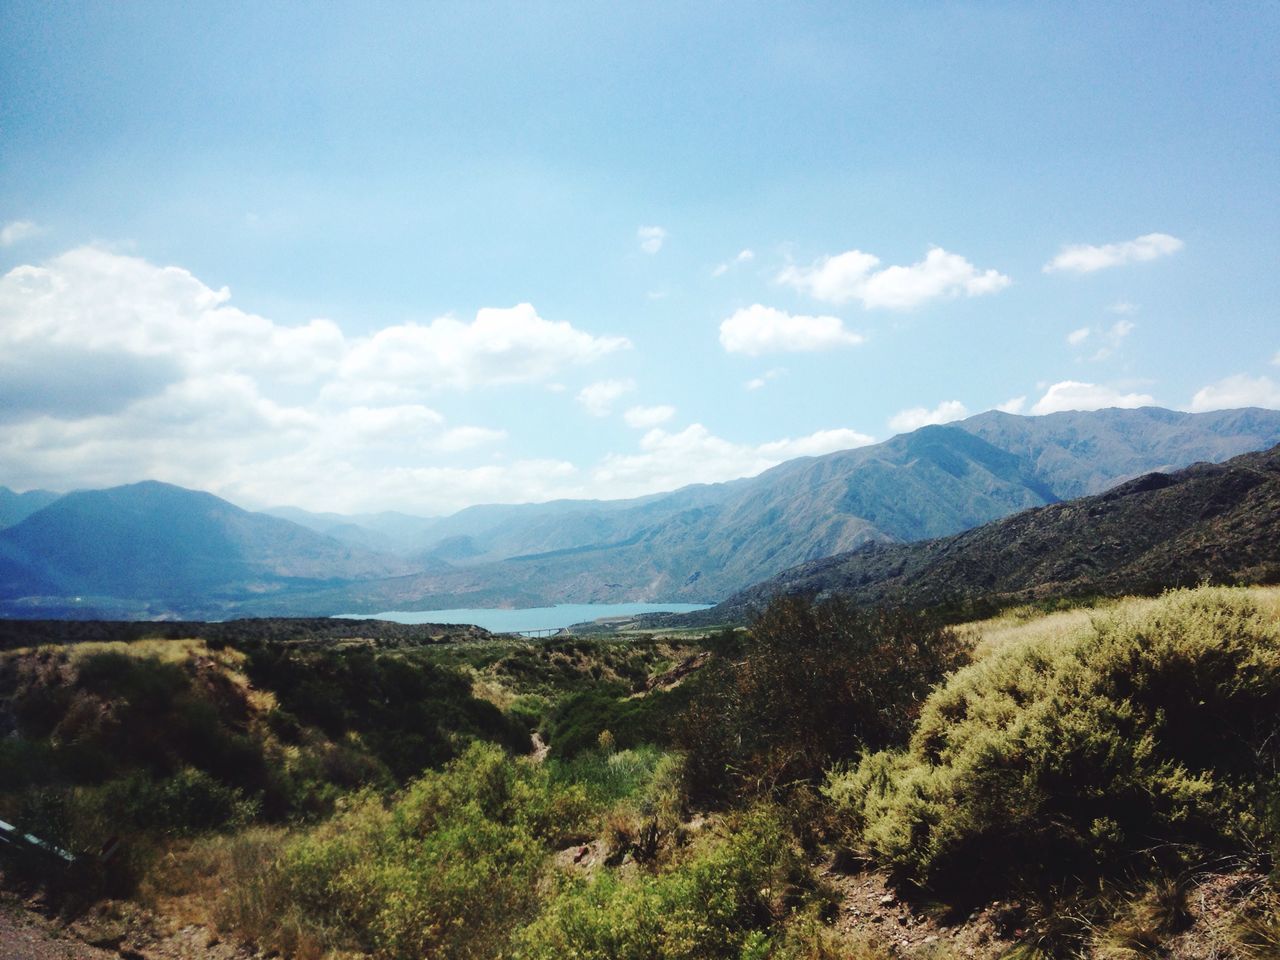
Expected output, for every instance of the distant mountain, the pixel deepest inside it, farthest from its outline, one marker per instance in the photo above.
(16, 507)
(704, 542)
(198, 556)
(388, 532)
(156, 549)
(1208, 522)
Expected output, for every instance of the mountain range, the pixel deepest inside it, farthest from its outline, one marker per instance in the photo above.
(152, 549)
(1216, 523)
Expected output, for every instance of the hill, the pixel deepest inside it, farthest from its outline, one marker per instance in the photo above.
(156, 549)
(1209, 522)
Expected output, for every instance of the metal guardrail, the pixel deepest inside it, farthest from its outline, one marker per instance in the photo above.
(19, 841)
(14, 838)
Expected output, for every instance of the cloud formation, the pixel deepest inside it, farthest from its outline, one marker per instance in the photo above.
(759, 329)
(1109, 339)
(1235, 391)
(1012, 405)
(114, 369)
(854, 275)
(904, 421)
(1074, 395)
(598, 398)
(755, 383)
(744, 256)
(17, 230)
(651, 238)
(1086, 258)
(645, 418)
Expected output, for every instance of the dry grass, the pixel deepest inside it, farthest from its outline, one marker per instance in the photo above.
(193, 880)
(1027, 624)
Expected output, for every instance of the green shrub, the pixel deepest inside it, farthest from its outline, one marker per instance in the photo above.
(446, 870)
(576, 725)
(409, 713)
(812, 683)
(710, 905)
(1155, 726)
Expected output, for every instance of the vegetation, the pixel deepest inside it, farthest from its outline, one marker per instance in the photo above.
(811, 684)
(1104, 773)
(1147, 728)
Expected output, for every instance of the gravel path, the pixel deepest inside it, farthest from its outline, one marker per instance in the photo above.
(25, 935)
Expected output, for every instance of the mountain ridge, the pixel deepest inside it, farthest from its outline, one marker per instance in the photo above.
(698, 543)
(1207, 522)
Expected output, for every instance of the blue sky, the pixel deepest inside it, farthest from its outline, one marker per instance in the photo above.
(362, 257)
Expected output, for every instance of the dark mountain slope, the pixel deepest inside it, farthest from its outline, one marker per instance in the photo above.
(160, 544)
(1216, 522)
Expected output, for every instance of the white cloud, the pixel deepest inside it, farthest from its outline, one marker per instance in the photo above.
(1276, 359)
(113, 369)
(1077, 337)
(1123, 307)
(905, 421)
(1239, 390)
(1073, 395)
(755, 383)
(853, 275)
(744, 256)
(16, 231)
(501, 346)
(598, 398)
(816, 444)
(1112, 339)
(695, 455)
(758, 329)
(468, 438)
(1086, 258)
(651, 238)
(645, 418)
(1012, 405)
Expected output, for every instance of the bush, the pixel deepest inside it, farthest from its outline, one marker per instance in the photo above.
(446, 870)
(705, 907)
(1155, 726)
(577, 724)
(811, 684)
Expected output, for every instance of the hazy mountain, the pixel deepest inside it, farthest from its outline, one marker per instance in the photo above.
(16, 507)
(178, 550)
(164, 549)
(704, 542)
(1214, 522)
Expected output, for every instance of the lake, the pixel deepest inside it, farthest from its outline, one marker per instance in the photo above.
(531, 618)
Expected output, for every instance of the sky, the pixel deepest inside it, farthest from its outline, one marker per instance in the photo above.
(364, 257)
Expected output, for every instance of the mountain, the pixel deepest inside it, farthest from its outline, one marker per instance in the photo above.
(152, 548)
(1209, 522)
(704, 542)
(16, 507)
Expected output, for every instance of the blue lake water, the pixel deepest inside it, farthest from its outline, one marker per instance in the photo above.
(531, 618)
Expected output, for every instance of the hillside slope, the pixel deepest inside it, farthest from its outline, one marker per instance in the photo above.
(1209, 522)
